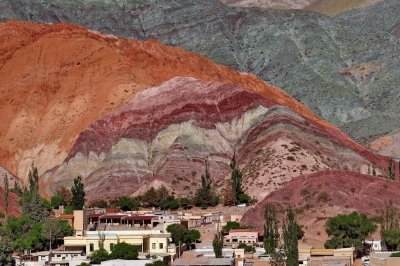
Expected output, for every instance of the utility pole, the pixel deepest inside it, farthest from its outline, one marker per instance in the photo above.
(179, 249)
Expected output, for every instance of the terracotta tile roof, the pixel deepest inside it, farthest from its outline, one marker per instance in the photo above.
(95, 215)
(65, 216)
(112, 216)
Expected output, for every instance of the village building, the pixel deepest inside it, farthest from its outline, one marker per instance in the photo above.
(193, 259)
(55, 257)
(383, 259)
(373, 245)
(99, 229)
(237, 236)
(69, 218)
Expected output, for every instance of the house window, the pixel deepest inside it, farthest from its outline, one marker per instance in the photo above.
(91, 247)
(161, 245)
(153, 246)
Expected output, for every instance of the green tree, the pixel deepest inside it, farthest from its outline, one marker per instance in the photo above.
(6, 196)
(24, 233)
(391, 239)
(65, 228)
(247, 249)
(178, 233)
(231, 225)
(99, 204)
(192, 236)
(150, 198)
(17, 189)
(32, 204)
(236, 195)
(6, 253)
(163, 196)
(236, 177)
(56, 201)
(173, 204)
(244, 198)
(290, 235)
(348, 230)
(124, 251)
(204, 196)
(78, 194)
(33, 178)
(390, 227)
(98, 256)
(185, 203)
(278, 257)
(50, 230)
(65, 194)
(271, 234)
(127, 204)
(391, 168)
(54, 229)
(68, 210)
(218, 244)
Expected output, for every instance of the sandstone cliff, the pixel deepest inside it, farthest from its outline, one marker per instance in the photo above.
(58, 79)
(344, 68)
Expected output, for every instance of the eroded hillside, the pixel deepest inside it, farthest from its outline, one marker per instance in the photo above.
(344, 68)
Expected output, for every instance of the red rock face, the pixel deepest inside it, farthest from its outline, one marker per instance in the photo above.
(318, 196)
(58, 79)
(166, 135)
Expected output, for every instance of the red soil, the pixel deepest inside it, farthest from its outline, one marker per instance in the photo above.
(318, 196)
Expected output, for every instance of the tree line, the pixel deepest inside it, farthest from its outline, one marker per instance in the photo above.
(204, 197)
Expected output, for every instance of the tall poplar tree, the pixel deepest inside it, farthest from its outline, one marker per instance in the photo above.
(32, 203)
(390, 227)
(271, 234)
(218, 244)
(290, 235)
(78, 194)
(6, 196)
(236, 177)
(205, 196)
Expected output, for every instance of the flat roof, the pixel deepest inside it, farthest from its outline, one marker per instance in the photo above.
(94, 215)
(161, 235)
(65, 216)
(139, 218)
(46, 252)
(243, 230)
(203, 261)
(112, 216)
